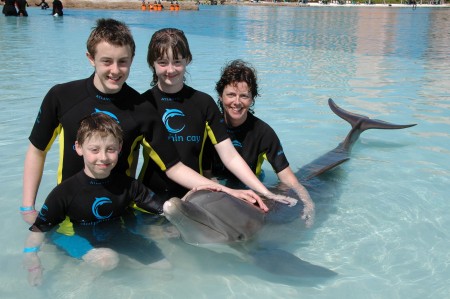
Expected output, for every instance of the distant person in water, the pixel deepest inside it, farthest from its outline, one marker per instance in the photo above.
(43, 4)
(57, 8)
(9, 9)
(22, 6)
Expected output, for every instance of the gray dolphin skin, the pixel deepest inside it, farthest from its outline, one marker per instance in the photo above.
(341, 153)
(208, 218)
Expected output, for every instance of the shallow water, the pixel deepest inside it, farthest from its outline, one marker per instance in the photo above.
(382, 220)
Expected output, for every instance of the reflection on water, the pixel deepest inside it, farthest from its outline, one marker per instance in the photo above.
(381, 218)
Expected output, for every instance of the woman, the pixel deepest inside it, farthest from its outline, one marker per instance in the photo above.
(190, 116)
(255, 140)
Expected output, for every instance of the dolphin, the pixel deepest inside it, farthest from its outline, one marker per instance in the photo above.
(226, 224)
(214, 219)
(341, 153)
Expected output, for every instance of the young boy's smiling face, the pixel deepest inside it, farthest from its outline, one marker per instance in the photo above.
(100, 155)
(112, 66)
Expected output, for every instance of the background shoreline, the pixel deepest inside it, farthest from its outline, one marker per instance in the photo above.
(192, 5)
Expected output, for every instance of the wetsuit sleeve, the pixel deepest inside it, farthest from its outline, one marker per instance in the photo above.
(46, 126)
(52, 212)
(208, 154)
(146, 199)
(274, 151)
(216, 128)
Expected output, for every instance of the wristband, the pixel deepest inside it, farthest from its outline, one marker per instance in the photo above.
(25, 209)
(31, 249)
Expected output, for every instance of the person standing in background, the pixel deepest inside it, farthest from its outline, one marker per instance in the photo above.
(57, 10)
(9, 8)
(22, 8)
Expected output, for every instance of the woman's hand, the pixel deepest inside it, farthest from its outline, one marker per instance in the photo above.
(281, 198)
(308, 213)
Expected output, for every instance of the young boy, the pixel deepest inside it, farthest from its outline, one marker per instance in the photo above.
(110, 50)
(96, 203)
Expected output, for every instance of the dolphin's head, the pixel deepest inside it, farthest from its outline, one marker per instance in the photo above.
(213, 217)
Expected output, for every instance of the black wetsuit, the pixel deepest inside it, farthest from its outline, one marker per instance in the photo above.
(9, 9)
(98, 211)
(22, 6)
(255, 141)
(190, 117)
(57, 8)
(66, 104)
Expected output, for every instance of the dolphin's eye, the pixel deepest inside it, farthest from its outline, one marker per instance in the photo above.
(241, 237)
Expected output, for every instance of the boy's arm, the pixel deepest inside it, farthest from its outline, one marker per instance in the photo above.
(31, 260)
(32, 174)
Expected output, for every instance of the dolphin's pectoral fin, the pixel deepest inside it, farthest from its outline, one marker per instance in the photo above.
(280, 262)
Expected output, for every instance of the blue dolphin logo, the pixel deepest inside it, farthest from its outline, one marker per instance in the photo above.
(99, 202)
(169, 114)
(107, 113)
(43, 212)
(237, 143)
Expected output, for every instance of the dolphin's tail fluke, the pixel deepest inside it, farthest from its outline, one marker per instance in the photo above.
(341, 153)
(364, 122)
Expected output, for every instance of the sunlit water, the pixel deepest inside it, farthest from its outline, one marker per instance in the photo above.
(382, 218)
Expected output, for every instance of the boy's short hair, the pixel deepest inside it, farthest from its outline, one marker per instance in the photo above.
(111, 31)
(163, 40)
(99, 123)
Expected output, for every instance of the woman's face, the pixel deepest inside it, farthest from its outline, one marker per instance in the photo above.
(170, 72)
(236, 100)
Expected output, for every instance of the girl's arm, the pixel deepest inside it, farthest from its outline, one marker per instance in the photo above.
(191, 179)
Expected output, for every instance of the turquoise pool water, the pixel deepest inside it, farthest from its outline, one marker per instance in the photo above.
(381, 222)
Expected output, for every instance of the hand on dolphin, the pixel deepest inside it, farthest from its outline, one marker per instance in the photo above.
(281, 198)
(242, 194)
(308, 214)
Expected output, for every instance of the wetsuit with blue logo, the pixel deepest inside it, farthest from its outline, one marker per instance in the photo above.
(255, 141)
(95, 213)
(190, 117)
(65, 105)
